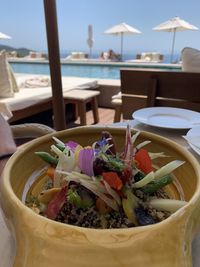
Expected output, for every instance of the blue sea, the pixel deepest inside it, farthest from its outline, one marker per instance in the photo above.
(77, 70)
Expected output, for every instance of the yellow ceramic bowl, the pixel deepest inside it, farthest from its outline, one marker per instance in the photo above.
(46, 243)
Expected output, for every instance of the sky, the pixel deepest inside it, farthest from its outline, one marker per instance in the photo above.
(24, 21)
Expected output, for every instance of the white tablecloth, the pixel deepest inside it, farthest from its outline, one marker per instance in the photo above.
(7, 246)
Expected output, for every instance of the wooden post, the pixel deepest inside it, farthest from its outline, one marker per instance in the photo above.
(151, 92)
(54, 62)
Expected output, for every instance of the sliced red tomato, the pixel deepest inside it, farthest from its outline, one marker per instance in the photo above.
(143, 161)
(113, 180)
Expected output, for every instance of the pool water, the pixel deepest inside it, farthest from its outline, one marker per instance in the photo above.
(101, 71)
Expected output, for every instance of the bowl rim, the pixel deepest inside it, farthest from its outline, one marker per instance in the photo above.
(28, 146)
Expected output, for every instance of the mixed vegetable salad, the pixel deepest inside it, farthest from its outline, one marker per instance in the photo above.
(98, 187)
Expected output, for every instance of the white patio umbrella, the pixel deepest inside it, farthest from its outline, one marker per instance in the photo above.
(90, 40)
(173, 25)
(4, 36)
(122, 29)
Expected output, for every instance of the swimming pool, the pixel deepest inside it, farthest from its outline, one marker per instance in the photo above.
(89, 70)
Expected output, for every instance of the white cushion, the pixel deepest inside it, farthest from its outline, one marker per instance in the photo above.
(13, 80)
(155, 56)
(6, 88)
(190, 59)
(34, 82)
(147, 58)
(117, 96)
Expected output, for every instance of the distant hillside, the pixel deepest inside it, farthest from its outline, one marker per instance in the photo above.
(22, 52)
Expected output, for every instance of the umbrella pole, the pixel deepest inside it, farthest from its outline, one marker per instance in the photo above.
(90, 52)
(122, 46)
(173, 43)
(54, 62)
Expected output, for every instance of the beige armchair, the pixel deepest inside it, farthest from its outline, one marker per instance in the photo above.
(22, 134)
(28, 131)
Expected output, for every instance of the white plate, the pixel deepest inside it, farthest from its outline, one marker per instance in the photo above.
(194, 132)
(167, 117)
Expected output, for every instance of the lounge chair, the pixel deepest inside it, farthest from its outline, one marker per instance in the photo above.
(148, 57)
(76, 56)
(24, 95)
(33, 100)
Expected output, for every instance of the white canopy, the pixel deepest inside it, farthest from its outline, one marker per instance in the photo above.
(4, 36)
(173, 25)
(122, 29)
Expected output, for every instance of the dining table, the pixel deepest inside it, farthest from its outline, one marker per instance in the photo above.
(7, 241)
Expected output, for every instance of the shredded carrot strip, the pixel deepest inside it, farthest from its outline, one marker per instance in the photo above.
(50, 172)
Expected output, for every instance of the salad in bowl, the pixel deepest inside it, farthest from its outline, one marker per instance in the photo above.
(102, 196)
(98, 187)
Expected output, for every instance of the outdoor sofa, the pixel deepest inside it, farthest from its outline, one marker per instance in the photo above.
(28, 101)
